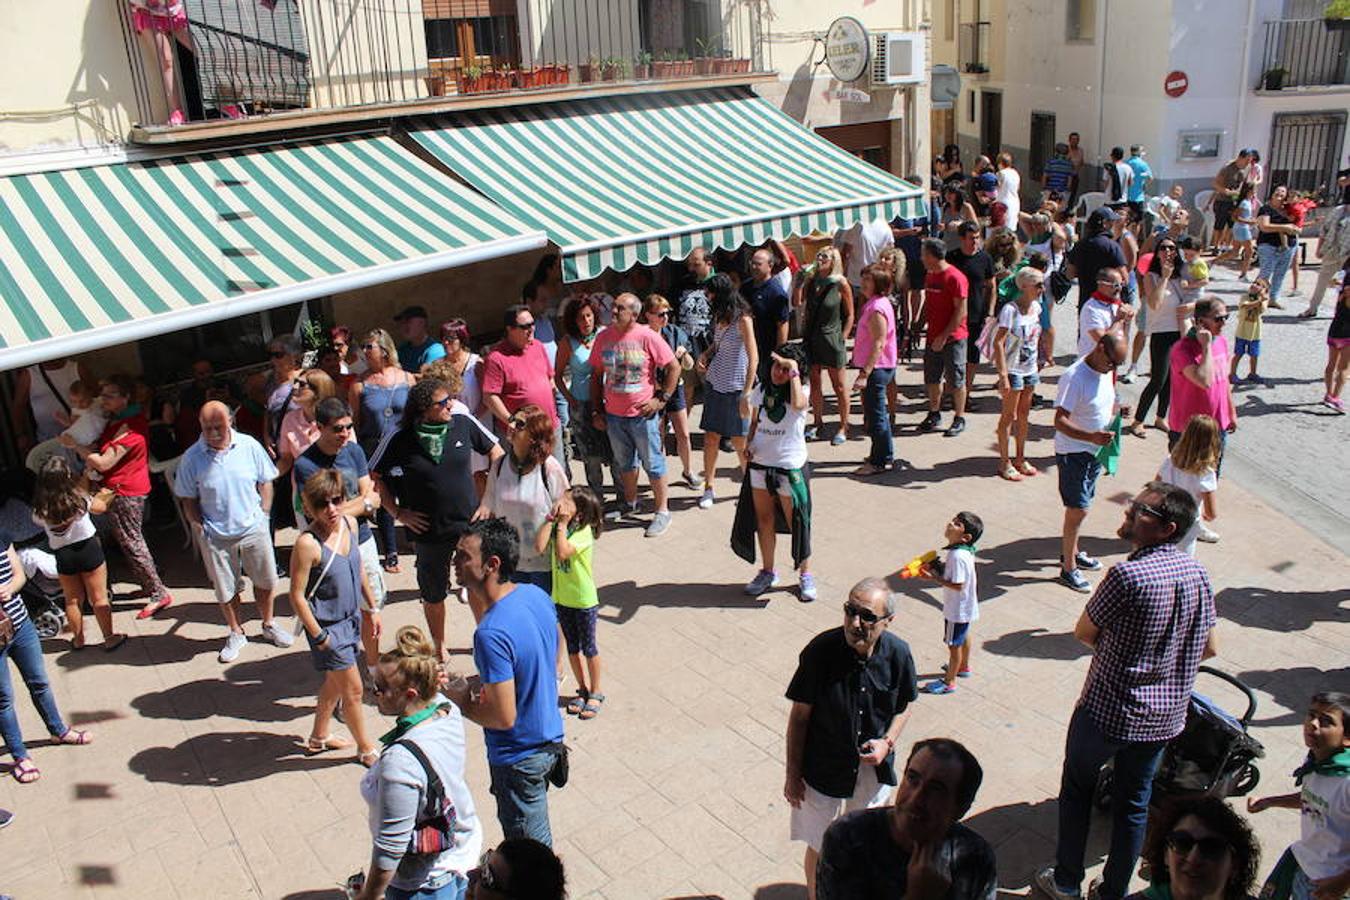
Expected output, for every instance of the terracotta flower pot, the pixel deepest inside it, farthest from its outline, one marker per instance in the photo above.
(587, 72)
(435, 85)
(703, 65)
(642, 72)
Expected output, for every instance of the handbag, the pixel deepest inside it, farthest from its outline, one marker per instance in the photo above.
(1060, 282)
(6, 629)
(434, 829)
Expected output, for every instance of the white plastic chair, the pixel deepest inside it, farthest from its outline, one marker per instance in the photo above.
(169, 469)
(40, 453)
(1205, 208)
(1088, 204)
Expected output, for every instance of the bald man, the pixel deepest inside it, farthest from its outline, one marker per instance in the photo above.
(225, 482)
(1084, 408)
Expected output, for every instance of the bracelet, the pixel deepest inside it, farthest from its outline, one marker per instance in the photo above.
(320, 637)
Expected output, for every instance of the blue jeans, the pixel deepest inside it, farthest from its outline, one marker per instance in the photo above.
(877, 417)
(1086, 749)
(454, 889)
(1274, 262)
(521, 790)
(637, 439)
(26, 651)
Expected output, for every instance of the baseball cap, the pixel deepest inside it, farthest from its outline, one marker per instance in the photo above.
(412, 312)
(1104, 214)
(986, 182)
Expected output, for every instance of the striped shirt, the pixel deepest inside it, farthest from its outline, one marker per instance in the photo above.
(1155, 611)
(13, 604)
(726, 371)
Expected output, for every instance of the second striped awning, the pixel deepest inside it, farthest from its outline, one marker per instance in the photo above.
(95, 256)
(635, 179)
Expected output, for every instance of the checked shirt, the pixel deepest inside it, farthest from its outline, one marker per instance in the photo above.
(1155, 611)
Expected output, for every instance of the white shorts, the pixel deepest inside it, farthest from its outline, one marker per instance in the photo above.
(228, 560)
(817, 811)
(370, 561)
(757, 483)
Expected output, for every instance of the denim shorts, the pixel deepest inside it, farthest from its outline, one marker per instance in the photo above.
(1077, 478)
(954, 633)
(1018, 382)
(1244, 347)
(722, 413)
(634, 439)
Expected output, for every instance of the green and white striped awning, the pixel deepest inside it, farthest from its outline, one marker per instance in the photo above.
(91, 257)
(635, 179)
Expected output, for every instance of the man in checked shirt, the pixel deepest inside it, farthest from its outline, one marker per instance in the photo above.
(1149, 624)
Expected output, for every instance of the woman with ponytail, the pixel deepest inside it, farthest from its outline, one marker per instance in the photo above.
(425, 831)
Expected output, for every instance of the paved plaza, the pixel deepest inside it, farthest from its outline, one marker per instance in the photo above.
(196, 786)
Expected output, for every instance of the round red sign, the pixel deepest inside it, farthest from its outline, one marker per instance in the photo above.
(1175, 84)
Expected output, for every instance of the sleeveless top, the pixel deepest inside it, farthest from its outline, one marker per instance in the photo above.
(726, 372)
(579, 369)
(1164, 319)
(338, 596)
(381, 411)
(862, 347)
(44, 404)
(824, 309)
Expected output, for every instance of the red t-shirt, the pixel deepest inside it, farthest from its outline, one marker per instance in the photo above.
(521, 377)
(131, 476)
(943, 291)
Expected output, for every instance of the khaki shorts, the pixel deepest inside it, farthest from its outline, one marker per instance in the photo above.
(817, 811)
(228, 560)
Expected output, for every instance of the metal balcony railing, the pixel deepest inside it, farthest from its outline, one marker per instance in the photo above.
(250, 58)
(1303, 53)
(973, 46)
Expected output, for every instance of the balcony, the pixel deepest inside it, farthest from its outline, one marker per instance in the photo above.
(1302, 53)
(973, 47)
(263, 65)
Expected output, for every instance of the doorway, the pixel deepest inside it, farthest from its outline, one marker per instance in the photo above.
(869, 141)
(991, 123)
(1042, 143)
(1304, 150)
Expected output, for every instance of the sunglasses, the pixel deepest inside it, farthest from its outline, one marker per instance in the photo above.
(1183, 842)
(341, 426)
(444, 402)
(1219, 319)
(523, 326)
(663, 313)
(866, 616)
(482, 874)
(332, 501)
(301, 383)
(1138, 506)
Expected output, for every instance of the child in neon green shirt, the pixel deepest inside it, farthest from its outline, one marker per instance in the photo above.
(569, 535)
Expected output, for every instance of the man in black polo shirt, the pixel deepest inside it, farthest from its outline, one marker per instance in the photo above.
(769, 306)
(426, 484)
(1097, 250)
(978, 267)
(850, 699)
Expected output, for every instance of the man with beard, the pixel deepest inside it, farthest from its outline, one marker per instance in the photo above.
(916, 848)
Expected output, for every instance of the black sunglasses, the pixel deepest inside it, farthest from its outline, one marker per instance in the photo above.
(341, 426)
(1219, 319)
(1139, 506)
(1182, 842)
(332, 501)
(444, 402)
(484, 875)
(523, 326)
(865, 615)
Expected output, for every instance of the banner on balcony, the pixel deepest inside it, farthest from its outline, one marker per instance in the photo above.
(616, 181)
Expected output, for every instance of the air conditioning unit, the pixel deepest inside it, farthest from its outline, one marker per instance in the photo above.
(898, 58)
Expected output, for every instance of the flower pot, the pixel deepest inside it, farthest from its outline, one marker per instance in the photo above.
(587, 72)
(686, 68)
(703, 65)
(661, 68)
(467, 85)
(742, 65)
(642, 72)
(610, 73)
(435, 85)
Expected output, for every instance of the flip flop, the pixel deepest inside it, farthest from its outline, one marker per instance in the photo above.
(150, 609)
(369, 758)
(75, 738)
(577, 703)
(24, 771)
(867, 470)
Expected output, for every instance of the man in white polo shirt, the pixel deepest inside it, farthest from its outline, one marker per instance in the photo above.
(225, 481)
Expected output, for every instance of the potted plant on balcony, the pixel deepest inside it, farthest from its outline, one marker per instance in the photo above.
(703, 63)
(435, 85)
(642, 66)
(589, 70)
(611, 68)
(663, 65)
(470, 80)
(1337, 15)
(1272, 79)
(684, 65)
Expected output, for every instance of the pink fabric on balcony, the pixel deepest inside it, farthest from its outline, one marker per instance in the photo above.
(158, 15)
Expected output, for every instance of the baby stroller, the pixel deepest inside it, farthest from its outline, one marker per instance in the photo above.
(1213, 755)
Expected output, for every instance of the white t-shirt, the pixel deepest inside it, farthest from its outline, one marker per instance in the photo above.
(80, 528)
(1095, 315)
(1089, 396)
(525, 502)
(1323, 847)
(86, 425)
(960, 605)
(1009, 186)
(781, 444)
(1164, 318)
(1024, 336)
(866, 240)
(1204, 483)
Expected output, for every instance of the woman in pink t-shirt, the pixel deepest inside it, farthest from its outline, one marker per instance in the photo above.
(1199, 373)
(874, 356)
(298, 428)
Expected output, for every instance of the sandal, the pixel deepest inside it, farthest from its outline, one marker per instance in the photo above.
(75, 738)
(577, 703)
(867, 470)
(321, 745)
(1008, 473)
(113, 642)
(1138, 429)
(390, 563)
(24, 771)
(1307, 314)
(369, 758)
(1027, 469)
(150, 609)
(591, 708)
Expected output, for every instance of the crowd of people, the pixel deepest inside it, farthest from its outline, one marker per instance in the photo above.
(470, 454)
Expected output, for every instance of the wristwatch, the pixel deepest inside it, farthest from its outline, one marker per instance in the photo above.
(370, 508)
(661, 396)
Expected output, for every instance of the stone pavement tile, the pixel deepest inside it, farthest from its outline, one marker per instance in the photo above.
(695, 833)
(584, 877)
(634, 854)
(220, 871)
(39, 877)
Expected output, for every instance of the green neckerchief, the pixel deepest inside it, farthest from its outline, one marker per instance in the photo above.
(970, 547)
(431, 435)
(132, 410)
(1158, 891)
(775, 400)
(1337, 766)
(405, 723)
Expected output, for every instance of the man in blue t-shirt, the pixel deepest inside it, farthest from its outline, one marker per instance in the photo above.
(515, 649)
(770, 308)
(1059, 170)
(1143, 176)
(418, 347)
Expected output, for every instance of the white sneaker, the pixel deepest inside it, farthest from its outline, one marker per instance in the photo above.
(233, 644)
(277, 636)
(1209, 537)
(1128, 377)
(706, 501)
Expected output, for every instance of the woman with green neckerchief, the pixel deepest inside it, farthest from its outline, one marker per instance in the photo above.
(1199, 849)
(427, 740)
(120, 461)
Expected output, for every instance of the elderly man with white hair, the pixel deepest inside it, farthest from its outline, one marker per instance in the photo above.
(850, 700)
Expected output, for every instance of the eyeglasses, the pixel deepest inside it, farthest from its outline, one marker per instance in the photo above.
(340, 426)
(483, 875)
(663, 313)
(866, 616)
(1110, 284)
(1139, 506)
(332, 501)
(1183, 842)
(301, 383)
(1220, 319)
(523, 326)
(444, 402)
